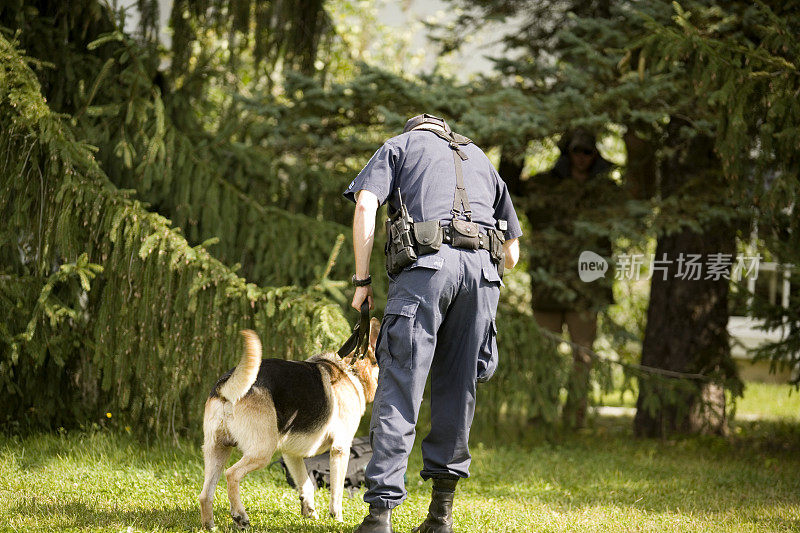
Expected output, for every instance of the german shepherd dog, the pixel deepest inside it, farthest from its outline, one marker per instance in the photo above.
(300, 408)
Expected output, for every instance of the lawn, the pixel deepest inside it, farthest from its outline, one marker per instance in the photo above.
(598, 480)
(767, 401)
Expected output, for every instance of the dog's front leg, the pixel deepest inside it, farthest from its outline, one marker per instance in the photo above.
(340, 455)
(305, 485)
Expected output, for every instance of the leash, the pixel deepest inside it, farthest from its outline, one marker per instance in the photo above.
(360, 337)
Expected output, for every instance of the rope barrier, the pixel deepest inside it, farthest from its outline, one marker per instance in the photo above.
(630, 366)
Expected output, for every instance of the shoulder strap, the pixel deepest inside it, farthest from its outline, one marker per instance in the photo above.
(451, 137)
(460, 199)
(460, 139)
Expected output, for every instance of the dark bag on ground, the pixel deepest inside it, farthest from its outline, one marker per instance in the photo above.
(319, 467)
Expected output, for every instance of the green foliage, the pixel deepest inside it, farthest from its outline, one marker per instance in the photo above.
(148, 334)
(243, 170)
(280, 33)
(206, 182)
(529, 378)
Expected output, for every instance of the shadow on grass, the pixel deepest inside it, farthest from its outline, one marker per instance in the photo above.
(777, 523)
(80, 514)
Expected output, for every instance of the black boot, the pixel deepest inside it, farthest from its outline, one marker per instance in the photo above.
(440, 512)
(379, 520)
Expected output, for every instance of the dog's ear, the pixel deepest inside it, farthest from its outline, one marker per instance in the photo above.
(374, 328)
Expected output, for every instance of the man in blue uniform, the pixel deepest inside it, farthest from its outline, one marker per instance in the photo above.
(440, 313)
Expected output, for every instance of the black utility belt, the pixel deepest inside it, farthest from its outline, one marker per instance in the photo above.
(407, 240)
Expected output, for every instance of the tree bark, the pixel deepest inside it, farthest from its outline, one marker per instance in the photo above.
(640, 168)
(687, 318)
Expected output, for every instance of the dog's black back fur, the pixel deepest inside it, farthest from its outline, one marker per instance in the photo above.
(300, 391)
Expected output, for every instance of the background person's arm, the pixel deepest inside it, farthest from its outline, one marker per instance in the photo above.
(363, 240)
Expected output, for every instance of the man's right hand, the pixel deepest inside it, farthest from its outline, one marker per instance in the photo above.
(360, 295)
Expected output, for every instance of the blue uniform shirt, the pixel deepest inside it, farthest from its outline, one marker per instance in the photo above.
(421, 164)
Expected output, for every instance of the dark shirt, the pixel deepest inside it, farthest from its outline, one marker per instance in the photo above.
(421, 164)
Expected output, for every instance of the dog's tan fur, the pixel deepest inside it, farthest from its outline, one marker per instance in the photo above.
(246, 371)
(249, 422)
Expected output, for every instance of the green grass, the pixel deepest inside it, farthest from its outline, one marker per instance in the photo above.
(770, 401)
(597, 480)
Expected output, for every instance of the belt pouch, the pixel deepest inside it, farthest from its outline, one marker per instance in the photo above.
(429, 236)
(497, 238)
(399, 248)
(465, 234)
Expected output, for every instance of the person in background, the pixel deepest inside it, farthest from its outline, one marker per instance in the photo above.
(568, 208)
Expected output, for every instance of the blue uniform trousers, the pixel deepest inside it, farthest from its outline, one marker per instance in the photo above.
(439, 319)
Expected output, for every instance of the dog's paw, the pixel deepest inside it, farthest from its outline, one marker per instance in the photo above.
(336, 516)
(308, 511)
(241, 521)
(209, 526)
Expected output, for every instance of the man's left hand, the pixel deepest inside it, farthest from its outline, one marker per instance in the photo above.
(361, 294)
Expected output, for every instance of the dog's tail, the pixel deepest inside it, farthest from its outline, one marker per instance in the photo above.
(245, 373)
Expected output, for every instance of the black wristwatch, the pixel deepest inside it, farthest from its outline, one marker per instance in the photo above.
(361, 282)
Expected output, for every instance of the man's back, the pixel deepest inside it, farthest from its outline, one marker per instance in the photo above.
(421, 164)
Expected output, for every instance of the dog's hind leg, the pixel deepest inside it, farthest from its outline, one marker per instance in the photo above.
(340, 456)
(253, 428)
(249, 462)
(305, 485)
(215, 456)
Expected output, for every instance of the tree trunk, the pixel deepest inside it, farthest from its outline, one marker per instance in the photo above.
(687, 318)
(640, 168)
